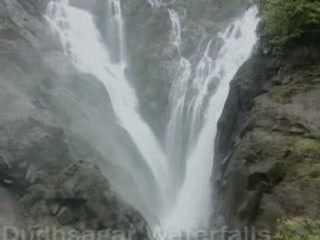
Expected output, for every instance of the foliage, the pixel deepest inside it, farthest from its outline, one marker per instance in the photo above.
(299, 229)
(286, 20)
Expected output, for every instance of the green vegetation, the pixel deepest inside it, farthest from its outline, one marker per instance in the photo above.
(283, 94)
(308, 147)
(284, 21)
(299, 229)
(301, 81)
(263, 147)
(315, 173)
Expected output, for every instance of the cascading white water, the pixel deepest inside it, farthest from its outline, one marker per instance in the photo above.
(192, 207)
(154, 3)
(184, 170)
(175, 150)
(115, 9)
(176, 28)
(82, 42)
(200, 87)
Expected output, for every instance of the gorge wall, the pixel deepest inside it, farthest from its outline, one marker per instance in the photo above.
(268, 144)
(59, 135)
(50, 139)
(153, 58)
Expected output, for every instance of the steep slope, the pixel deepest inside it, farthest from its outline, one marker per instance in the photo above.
(268, 145)
(56, 126)
(154, 61)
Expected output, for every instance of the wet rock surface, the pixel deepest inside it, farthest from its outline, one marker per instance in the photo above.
(267, 151)
(50, 139)
(153, 58)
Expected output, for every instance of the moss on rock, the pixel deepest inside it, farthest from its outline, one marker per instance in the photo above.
(283, 94)
(299, 229)
(261, 146)
(288, 83)
(308, 148)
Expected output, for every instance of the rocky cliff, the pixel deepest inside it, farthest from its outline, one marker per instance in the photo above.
(154, 57)
(56, 127)
(268, 144)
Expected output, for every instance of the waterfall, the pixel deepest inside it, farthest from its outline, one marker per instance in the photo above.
(181, 169)
(82, 42)
(154, 3)
(115, 11)
(192, 206)
(176, 28)
(176, 152)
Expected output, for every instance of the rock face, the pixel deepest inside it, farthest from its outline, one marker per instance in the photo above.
(268, 145)
(153, 57)
(44, 186)
(56, 127)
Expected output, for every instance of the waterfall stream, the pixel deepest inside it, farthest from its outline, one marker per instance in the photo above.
(192, 207)
(82, 42)
(182, 168)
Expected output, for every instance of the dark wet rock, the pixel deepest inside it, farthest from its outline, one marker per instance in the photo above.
(8, 208)
(267, 153)
(56, 126)
(44, 180)
(153, 60)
